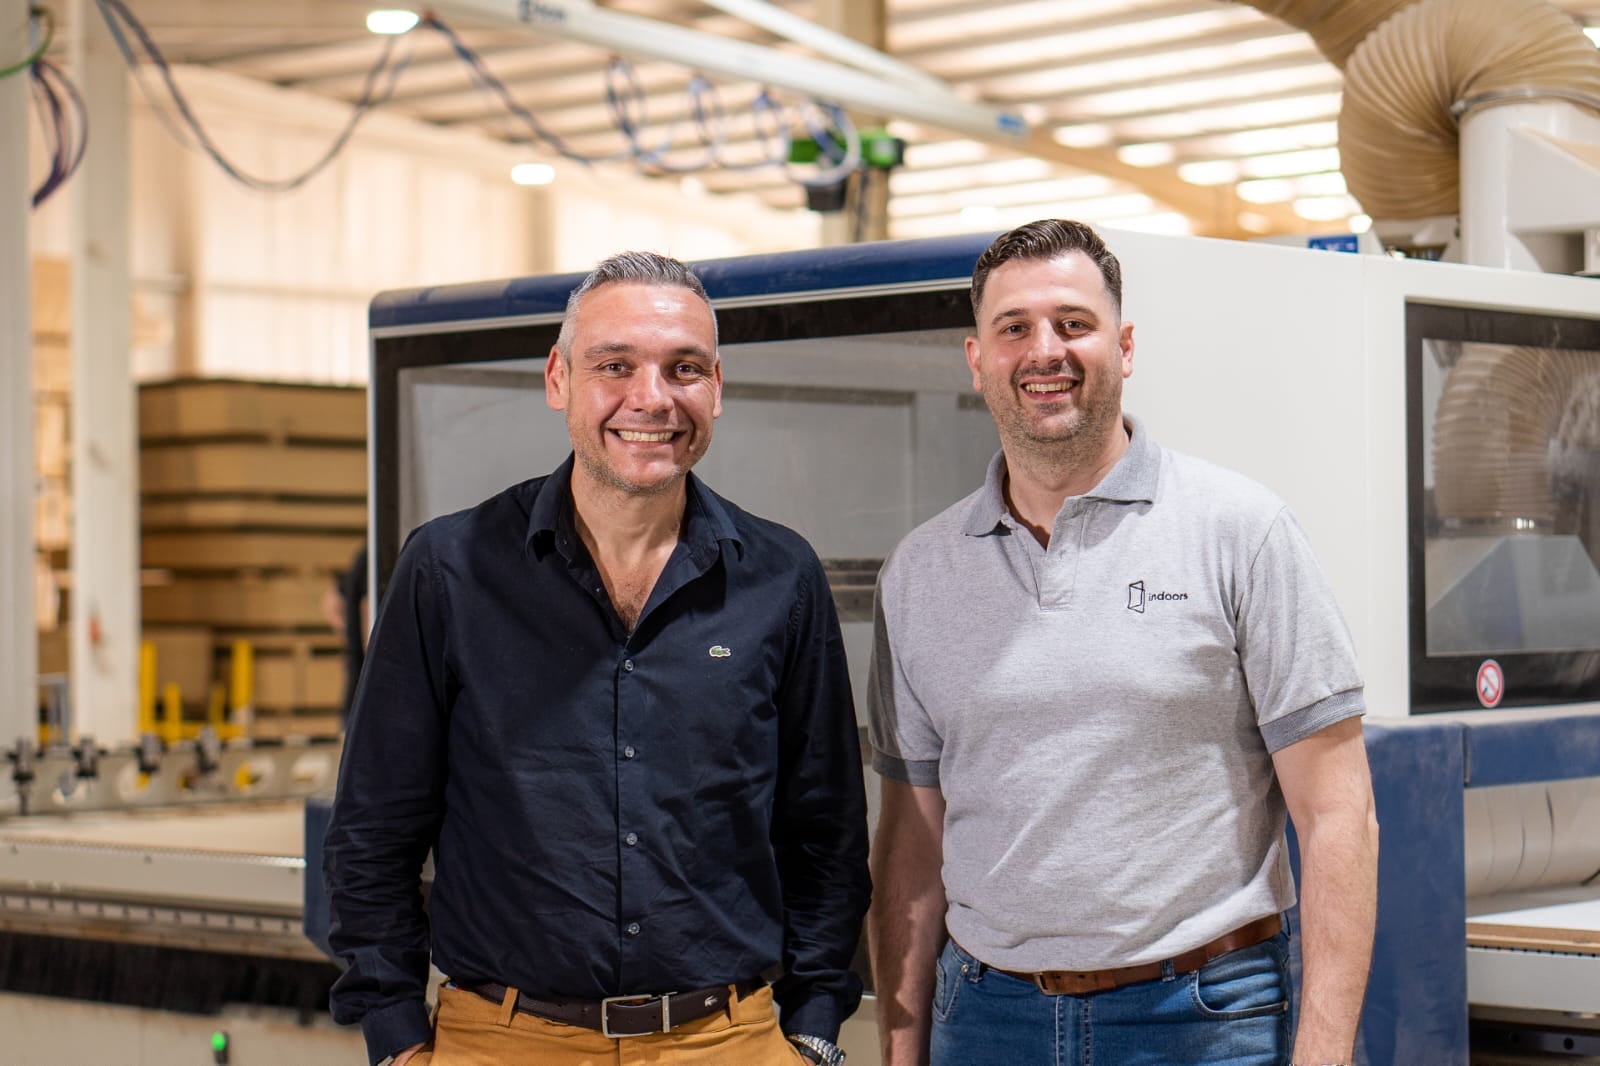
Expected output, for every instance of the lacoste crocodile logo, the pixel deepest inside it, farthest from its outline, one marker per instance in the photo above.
(719, 652)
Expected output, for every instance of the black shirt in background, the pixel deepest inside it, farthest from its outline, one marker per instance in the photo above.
(611, 813)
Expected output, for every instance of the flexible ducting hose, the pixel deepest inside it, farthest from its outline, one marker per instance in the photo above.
(1410, 65)
(1517, 431)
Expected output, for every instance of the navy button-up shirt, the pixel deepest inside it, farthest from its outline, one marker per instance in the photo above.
(611, 813)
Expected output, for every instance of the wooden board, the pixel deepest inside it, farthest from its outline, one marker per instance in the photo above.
(293, 682)
(274, 726)
(52, 367)
(52, 515)
(259, 603)
(183, 657)
(252, 468)
(52, 298)
(194, 409)
(266, 641)
(1534, 938)
(218, 550)
(51, 451)
(246, 512)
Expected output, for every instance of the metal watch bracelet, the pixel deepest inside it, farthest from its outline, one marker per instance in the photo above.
(819, 1050)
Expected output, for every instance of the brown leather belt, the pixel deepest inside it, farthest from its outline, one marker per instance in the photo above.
(618, 1016)
(1073, 983)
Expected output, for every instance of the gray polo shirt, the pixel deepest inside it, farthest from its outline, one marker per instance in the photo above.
(1100, 715)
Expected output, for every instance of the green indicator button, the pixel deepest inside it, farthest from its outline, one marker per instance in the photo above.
(219, 1041)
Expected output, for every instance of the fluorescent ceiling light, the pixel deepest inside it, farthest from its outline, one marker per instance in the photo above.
(1324, 208)
(1209, 172)
(391, 21)
(1035, 196)
(945, 153)
(1182, 93)
(1360, 223)
(980, 216)
(1083, 135)
(1170, 223)
(1285, 164)
(1154, 154)
(533, 173)
(1070, 78)
(1255, 114)
(1277, 139)
(1265, 191)
(1593, 33)
(1253, 222)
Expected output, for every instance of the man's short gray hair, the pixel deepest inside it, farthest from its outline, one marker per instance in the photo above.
(638, 268)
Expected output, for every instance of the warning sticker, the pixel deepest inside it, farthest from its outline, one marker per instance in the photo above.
(1491, 683)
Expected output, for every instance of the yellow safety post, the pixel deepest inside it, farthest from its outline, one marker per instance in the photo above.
(217, 710)
(171, 713)
(243, 685)
(147, 687)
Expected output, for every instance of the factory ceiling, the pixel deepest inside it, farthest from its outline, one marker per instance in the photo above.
(1189, 116)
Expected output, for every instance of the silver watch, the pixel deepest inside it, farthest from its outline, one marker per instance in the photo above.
(826, 1052)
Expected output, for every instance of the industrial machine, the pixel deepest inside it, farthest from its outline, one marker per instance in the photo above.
(1428, 423)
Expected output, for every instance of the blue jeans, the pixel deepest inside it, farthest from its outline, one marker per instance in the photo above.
(1233, 1012)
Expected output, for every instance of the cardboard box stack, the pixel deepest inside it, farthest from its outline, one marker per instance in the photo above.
(253, 498)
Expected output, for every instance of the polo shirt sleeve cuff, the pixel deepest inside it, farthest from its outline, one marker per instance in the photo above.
(1297, 725)
(821, 1015)
(390, 1030)
(911, 771)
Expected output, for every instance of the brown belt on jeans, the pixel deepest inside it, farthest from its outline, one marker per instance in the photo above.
(1073, 983)
(623, 1015)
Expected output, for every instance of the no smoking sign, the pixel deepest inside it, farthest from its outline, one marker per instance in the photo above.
(1491, 683)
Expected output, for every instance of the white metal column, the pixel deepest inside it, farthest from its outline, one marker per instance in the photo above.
(105, 472)
(19, 652)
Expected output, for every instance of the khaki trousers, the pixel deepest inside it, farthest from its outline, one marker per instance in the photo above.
(472, 1031)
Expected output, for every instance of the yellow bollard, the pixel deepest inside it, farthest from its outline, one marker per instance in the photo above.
(171, 713)
(147, 687)
(243, 690)
(216, 711)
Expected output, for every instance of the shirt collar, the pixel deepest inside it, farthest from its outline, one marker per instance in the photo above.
(551, 518)
(1132, 479)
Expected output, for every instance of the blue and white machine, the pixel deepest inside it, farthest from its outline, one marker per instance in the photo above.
(1436, 428)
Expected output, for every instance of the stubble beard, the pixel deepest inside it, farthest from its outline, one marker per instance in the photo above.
(1080, 441)
(598, 467)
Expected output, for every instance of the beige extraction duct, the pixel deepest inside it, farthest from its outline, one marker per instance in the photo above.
(1512, 424)
(1413, 68)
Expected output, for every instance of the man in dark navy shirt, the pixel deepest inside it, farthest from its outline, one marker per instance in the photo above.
(616, 709)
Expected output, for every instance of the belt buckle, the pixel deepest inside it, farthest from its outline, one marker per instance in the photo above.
(605, 1018)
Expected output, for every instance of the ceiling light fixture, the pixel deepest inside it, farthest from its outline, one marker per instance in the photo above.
(533, 173)
(391, 21)
(1150, 154)
(1593, 33)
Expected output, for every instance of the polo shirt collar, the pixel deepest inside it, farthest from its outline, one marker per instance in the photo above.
(1132, 479)
(552, 519)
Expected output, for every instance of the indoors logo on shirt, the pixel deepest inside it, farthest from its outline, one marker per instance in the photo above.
(1137, 596)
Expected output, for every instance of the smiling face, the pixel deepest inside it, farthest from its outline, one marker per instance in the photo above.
(1050, 356)
(642, 388)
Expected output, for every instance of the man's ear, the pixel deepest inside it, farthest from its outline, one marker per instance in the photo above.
(555, 380)
(973, 361)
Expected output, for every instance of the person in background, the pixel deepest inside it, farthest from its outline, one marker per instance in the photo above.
(345, 606)
(1098, 685)
(616, 709)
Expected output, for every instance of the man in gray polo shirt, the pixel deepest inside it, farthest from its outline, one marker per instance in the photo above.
(1098, 685)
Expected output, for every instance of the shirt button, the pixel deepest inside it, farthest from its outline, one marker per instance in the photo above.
(628, 752)
(633, 928)
(627, 664)
(631, 839)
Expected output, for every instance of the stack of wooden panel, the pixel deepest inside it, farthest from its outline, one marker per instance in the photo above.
(253, 498)
(52, 390)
